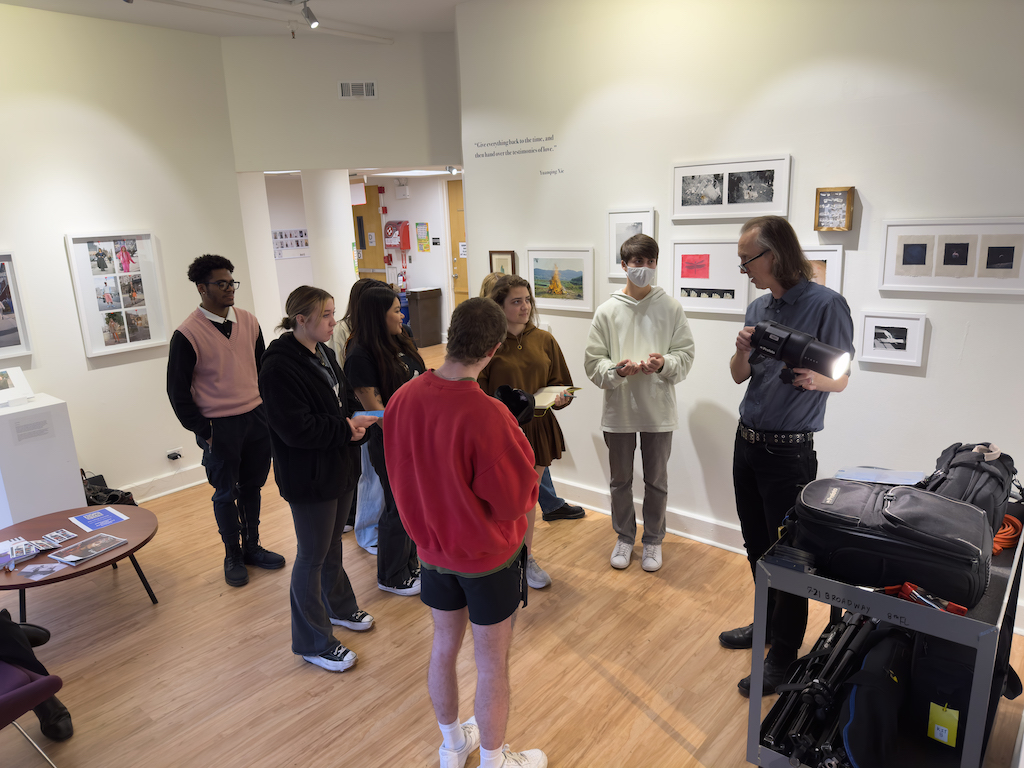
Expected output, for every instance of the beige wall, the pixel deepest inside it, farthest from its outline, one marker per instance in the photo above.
(918, 104)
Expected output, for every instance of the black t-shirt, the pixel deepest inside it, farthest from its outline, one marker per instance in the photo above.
(361, 369)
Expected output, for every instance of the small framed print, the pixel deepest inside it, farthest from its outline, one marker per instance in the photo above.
(827, 263)
(737, 189)
(14, 387)
(622, 225)
(503, 262)
(706, 277)
(893, 338)
(13, 328)
(562, 278)
(833, 209)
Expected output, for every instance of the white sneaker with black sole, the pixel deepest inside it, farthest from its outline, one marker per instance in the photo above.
(456, 758)
(335, 660)
(410, 586)
(360, 621)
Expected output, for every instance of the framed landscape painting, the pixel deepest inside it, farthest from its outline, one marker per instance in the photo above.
(562, 278)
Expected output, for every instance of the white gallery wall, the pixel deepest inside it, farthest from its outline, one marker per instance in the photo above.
(918, 104)
(109, 127)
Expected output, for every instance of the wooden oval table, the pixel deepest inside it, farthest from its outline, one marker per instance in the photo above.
(138, 529)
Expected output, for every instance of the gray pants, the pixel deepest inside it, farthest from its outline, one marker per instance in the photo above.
(655, 448)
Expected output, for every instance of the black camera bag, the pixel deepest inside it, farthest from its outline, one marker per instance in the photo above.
(877, 535)
(979, 474)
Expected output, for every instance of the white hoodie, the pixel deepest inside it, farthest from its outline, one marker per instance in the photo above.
(627, 329)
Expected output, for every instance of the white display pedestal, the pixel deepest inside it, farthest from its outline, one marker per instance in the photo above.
(39, 471)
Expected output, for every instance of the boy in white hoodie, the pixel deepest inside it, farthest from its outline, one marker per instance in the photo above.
(640, 347)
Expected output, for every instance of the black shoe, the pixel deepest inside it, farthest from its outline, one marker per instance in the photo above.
(254, 554)
(36, 635)
(234, 568)
(565, 512)
(774, 676)
(742, 637)
(54, 720)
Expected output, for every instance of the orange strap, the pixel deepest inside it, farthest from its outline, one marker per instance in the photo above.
(1008, 534)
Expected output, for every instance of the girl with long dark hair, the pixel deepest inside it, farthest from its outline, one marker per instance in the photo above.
(380, 359)
(313, 434)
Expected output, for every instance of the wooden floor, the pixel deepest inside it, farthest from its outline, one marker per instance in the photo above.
(609, 668)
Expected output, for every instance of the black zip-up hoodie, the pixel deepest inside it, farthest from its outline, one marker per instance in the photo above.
(314, 456)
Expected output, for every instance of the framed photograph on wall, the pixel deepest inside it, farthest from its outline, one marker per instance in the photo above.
(954, 256)
(14, 340)
(706, 277)
(119, 290)
(894, 338)
(737, 189)
(562, 278)
(827, 262)
(503, 262)
(622, 225)
(833, 209)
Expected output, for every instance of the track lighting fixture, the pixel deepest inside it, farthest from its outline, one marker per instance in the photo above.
(309, 17)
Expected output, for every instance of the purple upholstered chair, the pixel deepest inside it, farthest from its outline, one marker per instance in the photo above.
(20, 691)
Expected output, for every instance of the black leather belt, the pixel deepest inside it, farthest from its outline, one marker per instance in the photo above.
(774, 438)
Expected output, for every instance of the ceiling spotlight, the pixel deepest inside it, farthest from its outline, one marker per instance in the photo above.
(309, 17)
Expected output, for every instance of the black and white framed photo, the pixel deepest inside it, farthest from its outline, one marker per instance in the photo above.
(118, 287)
(503, 262)
(622, 225)
(562, 278)
(833, 209)
(737, 189)
(14, 340)
(954, 256)
(893, 338)
(706, 277)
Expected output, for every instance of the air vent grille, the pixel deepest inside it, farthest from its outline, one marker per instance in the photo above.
(357, 90)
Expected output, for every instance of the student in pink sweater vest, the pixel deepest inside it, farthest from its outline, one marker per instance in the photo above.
(212, 369)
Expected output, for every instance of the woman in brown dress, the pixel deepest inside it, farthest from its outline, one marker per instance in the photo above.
(529, 360)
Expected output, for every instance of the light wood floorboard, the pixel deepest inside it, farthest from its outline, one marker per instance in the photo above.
(609, 668)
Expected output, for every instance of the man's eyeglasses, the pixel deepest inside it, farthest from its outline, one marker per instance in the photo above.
(225, 284)
(743, 265)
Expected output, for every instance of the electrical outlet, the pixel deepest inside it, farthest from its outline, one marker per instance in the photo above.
(174, 454)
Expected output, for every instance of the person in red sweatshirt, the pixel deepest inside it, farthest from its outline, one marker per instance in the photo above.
(463, 479)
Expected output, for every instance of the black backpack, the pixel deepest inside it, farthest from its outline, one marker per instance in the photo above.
(979, 474)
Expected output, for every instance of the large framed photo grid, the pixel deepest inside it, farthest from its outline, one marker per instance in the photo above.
(14, 340)
(706, 277)
(893, 338)
(622, 225)
(117, 280)
(736, 189)
(562, 278)
(954, 256)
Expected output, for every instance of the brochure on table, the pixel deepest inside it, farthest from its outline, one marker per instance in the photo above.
(98, 518)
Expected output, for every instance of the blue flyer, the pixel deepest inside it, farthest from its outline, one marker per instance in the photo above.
(98, 518)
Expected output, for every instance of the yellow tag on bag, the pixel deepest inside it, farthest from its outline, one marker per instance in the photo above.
(942, 724)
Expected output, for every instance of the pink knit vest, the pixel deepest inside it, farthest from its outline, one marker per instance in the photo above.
(224, 382)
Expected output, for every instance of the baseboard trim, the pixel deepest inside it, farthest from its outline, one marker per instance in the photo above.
(155, 487)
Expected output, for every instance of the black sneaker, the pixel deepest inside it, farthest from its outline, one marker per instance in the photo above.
(565, 512)
(774, 675)
(360, 621)
(234, 569)
(254, 554)
(335, 660)
(410, 586)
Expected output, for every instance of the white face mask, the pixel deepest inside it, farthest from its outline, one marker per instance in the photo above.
(641, 276)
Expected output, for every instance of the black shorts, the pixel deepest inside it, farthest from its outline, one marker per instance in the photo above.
(491, 599)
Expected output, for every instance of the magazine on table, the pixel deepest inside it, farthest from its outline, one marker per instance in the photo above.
(22, 550)
(43, 544)
(98, 518)
(58, 537)
(87, 548)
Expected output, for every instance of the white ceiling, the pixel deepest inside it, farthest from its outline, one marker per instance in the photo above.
(226, 18)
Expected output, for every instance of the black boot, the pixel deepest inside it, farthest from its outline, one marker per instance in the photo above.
(254, 554)
(234, 567)
(54, 719)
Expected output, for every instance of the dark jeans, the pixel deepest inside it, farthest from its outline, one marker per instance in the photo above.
(237, 466)
(767, 479)
(396, 552)
(320, 587)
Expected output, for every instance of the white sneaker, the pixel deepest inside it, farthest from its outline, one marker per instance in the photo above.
(621, 554)
(536, 576)
(456, 758)
(531, 758)
(335, 660)
(652, 557)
